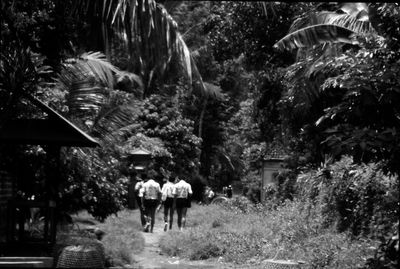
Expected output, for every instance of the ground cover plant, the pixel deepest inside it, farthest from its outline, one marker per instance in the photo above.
(339, 216)
(291, 232)
(122, 238)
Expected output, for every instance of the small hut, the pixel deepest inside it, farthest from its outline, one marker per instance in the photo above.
(271, 165)
(53, 132)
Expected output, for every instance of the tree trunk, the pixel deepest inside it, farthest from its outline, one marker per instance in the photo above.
(201, 119)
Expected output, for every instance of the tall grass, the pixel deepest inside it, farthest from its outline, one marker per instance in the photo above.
(122, 238)
(242, 233)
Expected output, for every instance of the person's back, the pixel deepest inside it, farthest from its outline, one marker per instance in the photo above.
(183, 191)
(211, 194)
(167, 196)
(138, 191)
(151, 190)
(168, 190)
(151, 194)
(229, 191)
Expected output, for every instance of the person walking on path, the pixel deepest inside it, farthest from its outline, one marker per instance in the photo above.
(150, 195)
(229, 191)
(208, 195)
(138, 187)
(183, 192)
(167, 197)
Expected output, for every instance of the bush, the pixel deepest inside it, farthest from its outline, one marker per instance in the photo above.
(205, 250)
(252, 186)
(387, 254)
(239, 204)
(355, 197)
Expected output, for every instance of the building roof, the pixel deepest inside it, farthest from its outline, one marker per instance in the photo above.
(54, 130)
(139, 152)
(139, 155)
(275, 153)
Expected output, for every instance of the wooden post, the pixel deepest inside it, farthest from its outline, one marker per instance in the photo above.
(52, 184)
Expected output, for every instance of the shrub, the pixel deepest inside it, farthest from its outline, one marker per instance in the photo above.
(252, 186)
(205, 250)
(286, 185)
(355, 197)
(387, 254)
(239, 204)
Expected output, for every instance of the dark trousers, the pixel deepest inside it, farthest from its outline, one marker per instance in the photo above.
(142, 213)
(169, 208)
(150, 207)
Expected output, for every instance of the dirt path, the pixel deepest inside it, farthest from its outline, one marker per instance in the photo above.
(151, 257)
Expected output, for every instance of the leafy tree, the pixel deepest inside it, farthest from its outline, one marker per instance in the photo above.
(159, 118)
(340, 82)
(365, 121)
(247, 28)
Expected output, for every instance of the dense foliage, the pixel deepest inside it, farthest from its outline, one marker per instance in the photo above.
(212, 89)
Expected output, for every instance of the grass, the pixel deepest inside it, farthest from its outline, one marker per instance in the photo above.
(244, 234)
(122, 237)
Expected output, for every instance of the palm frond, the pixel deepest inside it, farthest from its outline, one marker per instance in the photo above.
(85, 96)
(148, 33)
(151, 36)
(97, 64)
(114, 122)
(213, 91)
(123, 75)
(314, 35)
(354, 18)
(83, 79)
(355, 22)
(268, 6)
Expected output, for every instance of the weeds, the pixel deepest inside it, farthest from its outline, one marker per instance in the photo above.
(122, 238)
(241, 233)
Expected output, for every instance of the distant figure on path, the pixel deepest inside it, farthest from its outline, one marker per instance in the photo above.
(150, 195)
(209, 195)
(224, 190)
(229, 191)
(167, 196)
(183, 191)
(138, 187)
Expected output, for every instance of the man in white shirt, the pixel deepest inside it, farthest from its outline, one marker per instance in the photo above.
(150, 195)
(167, 196)
(138, 187)
(183, 191)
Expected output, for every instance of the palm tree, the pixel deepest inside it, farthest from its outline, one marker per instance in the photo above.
(320, 37)
(148, 34)
(315, 28)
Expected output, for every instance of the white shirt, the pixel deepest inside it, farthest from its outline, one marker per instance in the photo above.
(183, 189)
(168, 190)
(150, 190)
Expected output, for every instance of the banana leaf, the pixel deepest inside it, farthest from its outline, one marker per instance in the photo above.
(316, 34)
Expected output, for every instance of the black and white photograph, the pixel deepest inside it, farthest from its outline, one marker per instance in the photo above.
(157, 134)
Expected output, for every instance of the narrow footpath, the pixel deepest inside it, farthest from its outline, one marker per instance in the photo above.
(151, 257)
